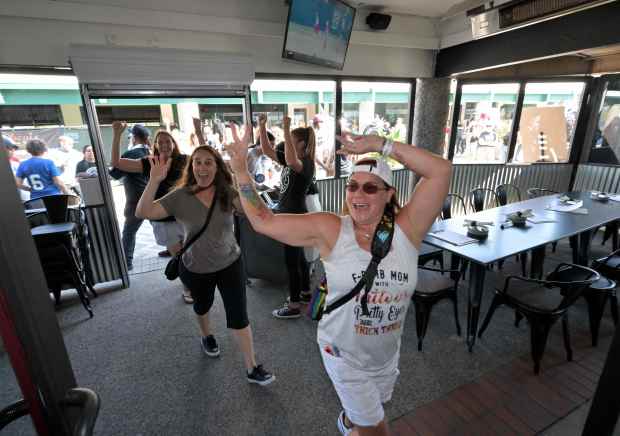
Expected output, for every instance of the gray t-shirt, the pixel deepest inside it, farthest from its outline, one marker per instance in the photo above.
(216, 248)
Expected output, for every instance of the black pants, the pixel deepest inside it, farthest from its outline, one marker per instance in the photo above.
(231, 283)
(130, 228)
(298, 274)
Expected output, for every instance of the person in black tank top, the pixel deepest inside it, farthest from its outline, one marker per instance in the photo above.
(296, 155)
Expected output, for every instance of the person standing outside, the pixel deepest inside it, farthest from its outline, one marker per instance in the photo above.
(167, 231)
(86, 163)
(41, 173)
(360, 349)
(66, 158)
(10, 148)
(297, 176)
(133, 183)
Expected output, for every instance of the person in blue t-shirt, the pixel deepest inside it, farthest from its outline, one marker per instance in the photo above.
(41, 173)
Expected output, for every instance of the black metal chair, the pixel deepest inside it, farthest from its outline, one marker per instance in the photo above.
(541, 192)
(427, 252)
(452, 202)
(86, 400)
(482, 198)
(57, 206)
(508, 193)
(542, 303)
(609, 267)
(62, 265)
(58, 211)
(433, 286)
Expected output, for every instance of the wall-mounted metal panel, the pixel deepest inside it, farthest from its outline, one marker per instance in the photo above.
(597, 177)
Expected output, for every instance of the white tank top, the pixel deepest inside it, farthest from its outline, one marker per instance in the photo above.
(372, 342)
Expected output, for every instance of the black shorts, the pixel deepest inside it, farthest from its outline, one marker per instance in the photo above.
(231, 283)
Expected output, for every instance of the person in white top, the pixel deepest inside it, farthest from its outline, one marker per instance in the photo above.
(66, 158)
(360, 351)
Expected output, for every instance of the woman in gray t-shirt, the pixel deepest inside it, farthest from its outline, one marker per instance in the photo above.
(214, 258)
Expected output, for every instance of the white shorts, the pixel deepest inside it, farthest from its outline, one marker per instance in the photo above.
(167, 233)
(362, 393)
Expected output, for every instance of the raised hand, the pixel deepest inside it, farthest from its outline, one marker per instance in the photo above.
(262, 120)
(359, 144)
(118, 127)
(159, 168)
(197, 125)
(238, 148)
(286, 123)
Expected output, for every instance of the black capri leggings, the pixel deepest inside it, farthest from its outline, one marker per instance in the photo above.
(231, 283)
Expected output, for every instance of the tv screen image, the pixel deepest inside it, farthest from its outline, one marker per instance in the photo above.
(318, 32)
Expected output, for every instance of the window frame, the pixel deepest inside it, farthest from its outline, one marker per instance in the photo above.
(598, 87)
(522, 82)
(412, 81)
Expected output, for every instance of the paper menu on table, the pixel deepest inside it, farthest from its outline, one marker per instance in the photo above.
(451, 237)
(559, 206)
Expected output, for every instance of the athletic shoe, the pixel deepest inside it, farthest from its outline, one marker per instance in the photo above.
(260, 376)
(209, 346)
(287, 312)
(164, 253)
(344, 430)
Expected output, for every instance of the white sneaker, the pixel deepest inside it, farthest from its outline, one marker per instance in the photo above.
(342, 426)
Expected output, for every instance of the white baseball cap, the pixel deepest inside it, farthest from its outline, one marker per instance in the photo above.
(377, 166)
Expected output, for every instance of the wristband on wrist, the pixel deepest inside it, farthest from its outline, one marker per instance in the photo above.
(388, 146)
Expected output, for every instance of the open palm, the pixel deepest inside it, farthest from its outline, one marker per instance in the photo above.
(159, 168)
(238, 148)
(359, 144)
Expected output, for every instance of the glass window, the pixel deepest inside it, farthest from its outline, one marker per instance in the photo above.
(548, 121)
(381, 108)
(485, 120)
(307, 103)
(46, 107)
(606, 141)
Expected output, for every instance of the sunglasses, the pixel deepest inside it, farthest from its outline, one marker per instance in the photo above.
(368, 187)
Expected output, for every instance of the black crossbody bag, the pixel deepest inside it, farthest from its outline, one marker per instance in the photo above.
(381, 243)
(172, 269)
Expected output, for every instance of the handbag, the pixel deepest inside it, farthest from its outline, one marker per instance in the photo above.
(172, 268)
(381, 243)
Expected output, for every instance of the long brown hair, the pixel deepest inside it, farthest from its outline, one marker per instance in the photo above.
(223, 181)
(176, 152)
(307, 135)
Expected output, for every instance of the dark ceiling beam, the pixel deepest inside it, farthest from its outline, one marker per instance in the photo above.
(560, 66)
(594, 27)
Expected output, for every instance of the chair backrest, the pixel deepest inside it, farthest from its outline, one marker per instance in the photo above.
(507, 193)
(453, 203)
(539, 192)
(57, 206)
(580, 277)
(482, 198)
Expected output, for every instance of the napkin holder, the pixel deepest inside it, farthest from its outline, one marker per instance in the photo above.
(476, 231)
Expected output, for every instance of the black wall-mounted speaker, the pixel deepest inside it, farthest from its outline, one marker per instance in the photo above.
(378, 21)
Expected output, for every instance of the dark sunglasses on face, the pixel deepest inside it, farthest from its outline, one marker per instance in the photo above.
(368, 187)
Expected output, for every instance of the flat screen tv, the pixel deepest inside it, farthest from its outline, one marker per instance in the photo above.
(318, 32)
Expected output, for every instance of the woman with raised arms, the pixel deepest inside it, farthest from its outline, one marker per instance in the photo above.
(360, 348)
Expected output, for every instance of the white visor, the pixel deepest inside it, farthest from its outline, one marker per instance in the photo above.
(380, 169)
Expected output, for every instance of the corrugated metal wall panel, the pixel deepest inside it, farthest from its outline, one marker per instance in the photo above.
(597, 177)
(102, 255)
